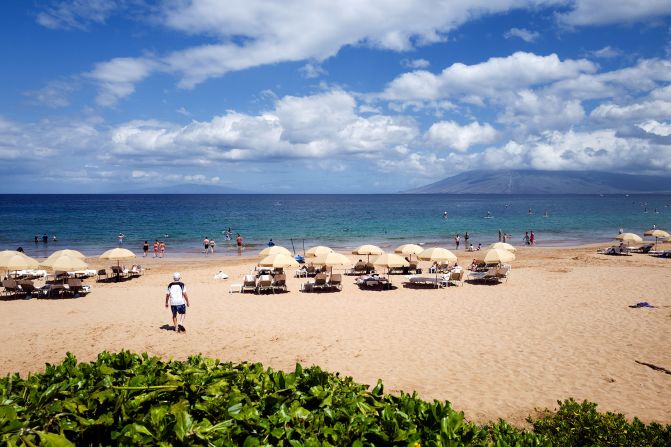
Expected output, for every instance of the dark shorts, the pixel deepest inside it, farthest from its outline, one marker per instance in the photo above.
(181, 309)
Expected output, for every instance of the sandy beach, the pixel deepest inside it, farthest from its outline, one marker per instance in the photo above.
(560, 327)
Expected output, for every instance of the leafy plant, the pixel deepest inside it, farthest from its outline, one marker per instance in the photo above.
(131, 399)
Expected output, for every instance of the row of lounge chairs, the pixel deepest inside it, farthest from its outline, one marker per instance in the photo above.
(454, 278)
(265, 283)
(495, 274)
(324, 283)
(118, 272)
(26, 288)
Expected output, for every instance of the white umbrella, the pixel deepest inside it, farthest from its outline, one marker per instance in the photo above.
(317, 251)
(117, 254)
(503, 246)
(494, 256)
(657, 234)
(408, 250)
(12, 262)
(390, 260)
(332, 259)
(275, 250)
(437, 254)
(629, 237)
(66, 263)
(278, 261)
(367, 250)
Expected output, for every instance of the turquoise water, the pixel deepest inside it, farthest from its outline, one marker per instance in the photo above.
(92, 222)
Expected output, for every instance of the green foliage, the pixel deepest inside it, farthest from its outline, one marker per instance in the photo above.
(130, 399)
(579, 424)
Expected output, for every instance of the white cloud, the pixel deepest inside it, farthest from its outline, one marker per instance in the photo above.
(528, 110)
(519, 70)
(657, 128)
(117, 77)
(522, 33)
(606, 52)
(604, 12)
(415, 63)
(312, 70)
(657, 105)
(318, 126)
(53, 94)
(460, 138)
(77, 14)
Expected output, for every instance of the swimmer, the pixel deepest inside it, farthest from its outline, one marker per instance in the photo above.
(444, 214)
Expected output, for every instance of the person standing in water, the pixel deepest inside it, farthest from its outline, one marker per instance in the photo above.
(145, 249)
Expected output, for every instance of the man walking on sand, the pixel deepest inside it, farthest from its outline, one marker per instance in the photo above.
(178, 299)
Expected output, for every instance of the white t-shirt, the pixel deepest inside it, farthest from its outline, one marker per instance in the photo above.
(176, 293)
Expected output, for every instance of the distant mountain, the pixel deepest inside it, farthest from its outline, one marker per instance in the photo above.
(545, 182)
(187, 188)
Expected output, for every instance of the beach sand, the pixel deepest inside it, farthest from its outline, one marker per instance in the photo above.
(559, 328)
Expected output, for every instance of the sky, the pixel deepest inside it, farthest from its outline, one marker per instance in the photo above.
(312, 96)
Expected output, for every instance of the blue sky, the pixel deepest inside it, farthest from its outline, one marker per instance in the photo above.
(316, 96)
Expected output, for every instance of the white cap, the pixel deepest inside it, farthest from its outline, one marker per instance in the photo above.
(175, 276)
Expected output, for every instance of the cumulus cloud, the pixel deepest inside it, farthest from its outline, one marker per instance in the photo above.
(519, 70)
(317, 126)
(449, 134)
(531, 111)
(522, 33)
(415, 63)
(656, 105)
(604, 12)
(117, 77)
(312, 70)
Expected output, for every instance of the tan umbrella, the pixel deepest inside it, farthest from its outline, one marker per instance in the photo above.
(18, 262)
(117, 254)
(437, 254)
(390, 260)
(278, 261)
(66, 263)
(629, 237)
(318, 251)
(332, 259)
(657, 234)
(73, 253)
(275, 250)
(367, 250)
(6, 254)
(408, 250)
(503, 246)
(494, 256)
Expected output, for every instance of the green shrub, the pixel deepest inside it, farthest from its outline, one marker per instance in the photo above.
(579, 424)
(130, 399)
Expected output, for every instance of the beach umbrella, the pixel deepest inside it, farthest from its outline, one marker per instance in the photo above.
(629, 237)
(657, 234)
(317, 251)
(494, 256)
(278, 261)
(6, 254)
(18, 261)
(503, 246)
(73, 253)
(437, 254)
(275, 250)
(66, 263)
(390, 261)
(332, 259)
(368, 250)
(408, 250)
(117, 254)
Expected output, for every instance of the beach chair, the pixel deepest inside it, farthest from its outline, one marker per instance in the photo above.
(102, 275)
(265, 284)
(135, 271)
(412, 268)
(280, 282)
(75, 287)
(370, 268)
(358, 269)
(11, 288)
(642, 249)
(249, 284)
(456, 278)
(335, 281)
(310, 271)
(28, 287)
(320, 282)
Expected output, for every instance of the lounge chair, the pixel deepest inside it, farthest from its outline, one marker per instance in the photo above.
(642, 249)
(75, 287)
(456, 278)
(249, 284)
(433, 281)
(265, 284)
(135, 271)
(280, 282)
(614, 251)
(320, 282)
(358, 269)
(311, 270)
(11, 288)
(28, 287)
(335, 281)
(372, 281)
(102, 273)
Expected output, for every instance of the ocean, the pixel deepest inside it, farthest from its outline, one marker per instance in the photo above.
(91, 223)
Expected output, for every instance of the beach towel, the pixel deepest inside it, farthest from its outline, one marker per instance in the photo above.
(641, 304)
(221, 275)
